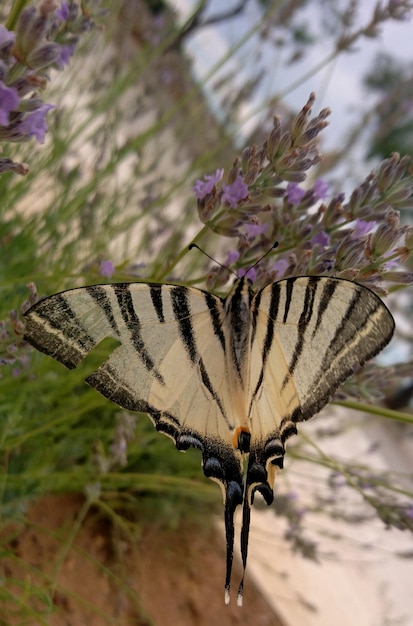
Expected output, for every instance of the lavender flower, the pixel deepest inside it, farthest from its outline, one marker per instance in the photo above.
(294, 194)
(320, 189)
(362, 228)
(34, 124)
(254, 230)
(62, 12)
(235, 192)
(232, 257)
(13, 349)
(251, 274)
(204, 187)
(6, 36)
(65, 54)
(9, 101)
(321, 238)
(356, 239)
(107, 269)
(279, 267)
(45, 36)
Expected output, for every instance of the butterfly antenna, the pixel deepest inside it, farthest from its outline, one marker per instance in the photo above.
(274, 245)
(194, 245)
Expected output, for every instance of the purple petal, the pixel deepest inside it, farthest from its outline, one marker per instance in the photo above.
(280, 267)
(320, 189)
(321, 238)
(294, 194)
(203, 187)
(9, 101)
(66, 52)
(34, 124)
(235, 192)
(250, 274)
(232, 257)
(6, 35)
(253, 230)
(107, 268)
(362, 228)
(62, 13)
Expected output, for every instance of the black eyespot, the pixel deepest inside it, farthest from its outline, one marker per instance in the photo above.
(213, 468)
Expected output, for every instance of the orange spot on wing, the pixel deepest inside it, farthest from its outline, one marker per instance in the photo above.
(236, 435)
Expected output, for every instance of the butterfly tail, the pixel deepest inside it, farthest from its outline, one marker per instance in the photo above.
(245, 531)
(233, 498)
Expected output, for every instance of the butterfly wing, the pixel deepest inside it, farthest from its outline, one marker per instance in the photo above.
(167, 334)
(309, 335)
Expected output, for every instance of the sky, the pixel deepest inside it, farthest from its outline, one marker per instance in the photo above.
(338, 86)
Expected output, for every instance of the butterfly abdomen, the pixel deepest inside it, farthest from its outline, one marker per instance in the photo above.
(238, 321)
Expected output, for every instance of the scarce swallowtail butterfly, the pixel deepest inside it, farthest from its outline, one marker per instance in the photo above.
(231, 377)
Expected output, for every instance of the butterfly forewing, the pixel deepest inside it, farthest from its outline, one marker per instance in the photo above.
(325, 329)
(311, 334)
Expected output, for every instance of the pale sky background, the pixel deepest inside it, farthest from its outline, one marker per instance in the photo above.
(338, 86)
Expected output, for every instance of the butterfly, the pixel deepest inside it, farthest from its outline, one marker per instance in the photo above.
(230, 376)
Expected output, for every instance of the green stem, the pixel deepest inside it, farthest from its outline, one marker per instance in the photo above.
(377, 410)
(17, 8)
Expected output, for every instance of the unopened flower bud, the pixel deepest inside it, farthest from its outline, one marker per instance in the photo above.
(385, 237)
(400, 278)
(43, 56)
(273, 141)
(30, 31)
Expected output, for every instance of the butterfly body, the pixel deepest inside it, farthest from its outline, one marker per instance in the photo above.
(228, 376)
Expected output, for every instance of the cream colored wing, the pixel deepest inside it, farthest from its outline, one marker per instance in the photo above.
(310, 334)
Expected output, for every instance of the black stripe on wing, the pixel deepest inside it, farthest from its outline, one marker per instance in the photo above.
(180, 298)
(133, 324)
(157, 301)
(305, 318)
(329, 289)
(215, 308)
(99, 294)
(269, 336)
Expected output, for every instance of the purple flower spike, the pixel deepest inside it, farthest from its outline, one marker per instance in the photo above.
(235, 192)
(280, 267)
(253, 230)
(9, 101)
(321, 238)
(65, 55)
(107, 269)
(204, 187)
(232, 257)
(62, 12)
(251, 274)
(6, 36)
(362, 228)
(34, 124)
(320, 189)
(294, 194)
